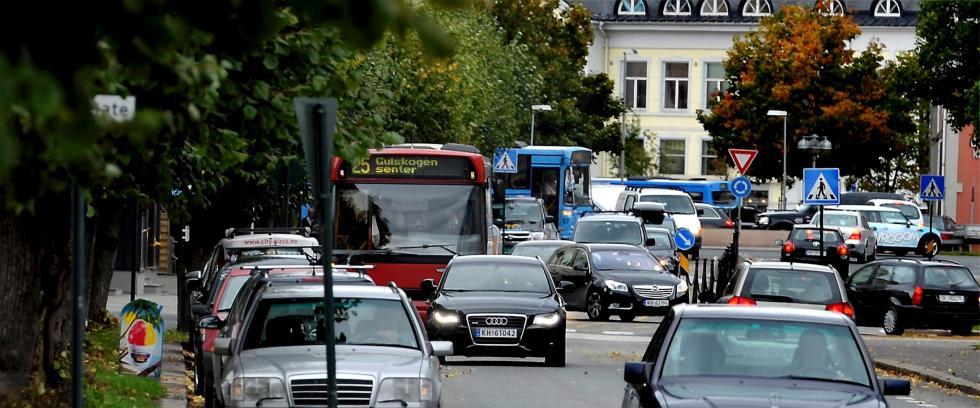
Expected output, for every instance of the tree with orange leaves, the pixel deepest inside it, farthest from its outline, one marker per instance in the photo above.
(799, 61)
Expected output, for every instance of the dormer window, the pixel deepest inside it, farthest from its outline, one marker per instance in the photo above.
(714, 8)
(632, 8)
(888, 8)
(756, 8)
(831, 7)
(677, 7)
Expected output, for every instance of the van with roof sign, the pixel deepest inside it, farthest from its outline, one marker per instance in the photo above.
(895, 232)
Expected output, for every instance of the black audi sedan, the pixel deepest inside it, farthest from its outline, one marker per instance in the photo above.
(498, 306)
(615, 279)
(725, 356)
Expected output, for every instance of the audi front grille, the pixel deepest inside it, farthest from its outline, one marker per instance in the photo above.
(496, 321)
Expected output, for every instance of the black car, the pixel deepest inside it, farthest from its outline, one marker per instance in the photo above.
(724, 356)
(663, 247)
(803, 245)
(498, 306)
(522, 219)
(615, 279)
(901, 293)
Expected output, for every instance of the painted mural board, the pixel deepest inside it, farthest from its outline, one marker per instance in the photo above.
(141, 338)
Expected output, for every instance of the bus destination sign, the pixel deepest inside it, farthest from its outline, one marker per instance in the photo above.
(413, 167)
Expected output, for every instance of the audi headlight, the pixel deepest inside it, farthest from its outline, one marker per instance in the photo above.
(617, 286)
(535, 236)
(405, 390)
(682, 287)
(445, 318)
(252, 390)
(547, 319)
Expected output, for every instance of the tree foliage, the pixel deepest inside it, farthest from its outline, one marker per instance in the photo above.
(800, 61)
(949, 51)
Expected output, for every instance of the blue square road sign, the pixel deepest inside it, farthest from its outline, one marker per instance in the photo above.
(932, 188)
(821, 186)
(505, 161)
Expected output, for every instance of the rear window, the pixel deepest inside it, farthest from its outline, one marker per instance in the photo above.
(785, 285)
(609, 232)
(677, 204)
(909, 211)
(541, 251)
(948, 277)
(840, 220)
(807, 234)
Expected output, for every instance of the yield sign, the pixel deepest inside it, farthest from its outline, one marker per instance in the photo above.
(742, 158)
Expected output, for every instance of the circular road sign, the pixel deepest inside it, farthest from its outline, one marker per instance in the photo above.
(684, 239)
(741, 187)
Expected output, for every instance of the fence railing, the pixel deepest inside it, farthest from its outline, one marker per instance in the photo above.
(706, 278)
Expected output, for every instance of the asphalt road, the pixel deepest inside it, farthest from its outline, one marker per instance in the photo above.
(593, 376)
(972, 262)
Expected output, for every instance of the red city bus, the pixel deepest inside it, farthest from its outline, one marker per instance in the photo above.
(408, 211)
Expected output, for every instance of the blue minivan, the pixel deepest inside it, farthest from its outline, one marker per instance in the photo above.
(897, 233)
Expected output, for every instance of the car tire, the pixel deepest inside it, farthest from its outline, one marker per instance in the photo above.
(556, 357)
(962, 330)
(594, 307)
(924, 243)
(863, 257)
(891, 323)
(627, 317)
(873, 255)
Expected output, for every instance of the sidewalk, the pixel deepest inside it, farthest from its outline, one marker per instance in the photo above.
(950, 361)
(173, 377)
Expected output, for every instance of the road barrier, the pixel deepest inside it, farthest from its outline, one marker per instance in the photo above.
(707, 277)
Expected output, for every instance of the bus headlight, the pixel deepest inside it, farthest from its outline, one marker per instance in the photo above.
(566, 213)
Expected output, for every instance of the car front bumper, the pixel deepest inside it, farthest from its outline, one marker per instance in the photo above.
(533, 341)
(633, 303)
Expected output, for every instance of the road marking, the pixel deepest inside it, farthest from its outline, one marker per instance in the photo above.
(606, 337)
(617, 333)
(569, 330)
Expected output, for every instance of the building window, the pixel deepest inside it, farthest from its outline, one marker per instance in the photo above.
(714, 82)
(888, 8)
(709, 159)
(714, 8)
(672, 156)
(677, 7)
(756, 8)
(675, 85)
(632, 7)
(636, 85)
(831, 7)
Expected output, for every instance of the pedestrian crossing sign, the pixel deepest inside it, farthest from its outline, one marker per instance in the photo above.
(821, 186)
(932, 188)
(505, 161)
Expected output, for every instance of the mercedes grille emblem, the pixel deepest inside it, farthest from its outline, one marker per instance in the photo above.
(496, 321)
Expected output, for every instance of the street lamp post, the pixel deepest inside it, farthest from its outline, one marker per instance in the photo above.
(535, 108)
(782, 186)
(815, 145)
(622, 123)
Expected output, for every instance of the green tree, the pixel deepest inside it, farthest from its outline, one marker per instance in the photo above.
(948, 41)
(800, 61)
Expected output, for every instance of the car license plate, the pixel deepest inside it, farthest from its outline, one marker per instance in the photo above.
(812, 253)
(496, 333)
(656, 303)
(951, 298)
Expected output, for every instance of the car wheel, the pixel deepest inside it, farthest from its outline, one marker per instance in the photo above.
(873, 255)
(627, 317)
(556, 357)
(595, 309)
(863, 257)
(962, 330)
(924, 244)
(891, 323)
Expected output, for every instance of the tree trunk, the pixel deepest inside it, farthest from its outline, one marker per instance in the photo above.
(104, 252)
(34, 276)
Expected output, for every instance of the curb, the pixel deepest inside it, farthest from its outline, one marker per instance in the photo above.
(172, 376)
(938, 377)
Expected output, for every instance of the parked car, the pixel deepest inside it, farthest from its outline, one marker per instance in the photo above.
(858, 235)
(723, 356)
(783, 284)
(274, 349)
(909, 293)
(539, 249)
(947, 230)
(615, 279)
(523, 219)
(908, 209)
(663, 248)
(712, 217)
(803, 245)
(677, 204)
(498, 306)
(862, 197)
(894, 232)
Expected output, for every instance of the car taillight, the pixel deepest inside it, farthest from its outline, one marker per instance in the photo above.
(917, 296)
(789, 247)
(842, 250)
(729, 223)
(856, 236)
(946, 235)
(844, 308)
(743, 301)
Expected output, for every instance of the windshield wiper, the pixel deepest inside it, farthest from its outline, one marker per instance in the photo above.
(460, 290)
(381, 345)
(775, 298)
(831, 380)
(425, 246)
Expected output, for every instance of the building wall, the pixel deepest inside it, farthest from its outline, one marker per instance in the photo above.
(967, 179)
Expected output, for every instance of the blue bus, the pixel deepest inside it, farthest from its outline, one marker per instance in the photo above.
(713, 192)
(559, 175)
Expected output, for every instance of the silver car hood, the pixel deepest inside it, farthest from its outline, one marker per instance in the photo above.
(310, 361)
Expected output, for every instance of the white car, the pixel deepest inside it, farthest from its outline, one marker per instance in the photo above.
(909, 209)
(677, 203)
(856, 230)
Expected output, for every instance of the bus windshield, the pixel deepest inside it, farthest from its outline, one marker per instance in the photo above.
(403, 217)
(577, 186)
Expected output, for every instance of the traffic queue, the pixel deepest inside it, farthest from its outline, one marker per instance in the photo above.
(419, 275)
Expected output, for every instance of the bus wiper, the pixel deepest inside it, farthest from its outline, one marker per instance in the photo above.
(425, 246)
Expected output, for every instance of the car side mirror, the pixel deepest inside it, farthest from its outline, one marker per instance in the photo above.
(651, 242)
(550, 219)
(895, 387)
(581, 268)
(635, 372)
(428, 287)
(210, 323)
(565, 286)
(192, 275)
(222, 346)
(200, 310)
(442, 348)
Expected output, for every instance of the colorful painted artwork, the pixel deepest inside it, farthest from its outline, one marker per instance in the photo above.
(141, 338)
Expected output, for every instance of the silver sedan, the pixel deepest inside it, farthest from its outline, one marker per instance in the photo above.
(858, 235)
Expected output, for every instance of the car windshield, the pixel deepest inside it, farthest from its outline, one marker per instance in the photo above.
(765, 348)
(676, 204)
(232, 287)
(909, 211)
(792, 286)
(840, 220)
(948, 277)
(541, 251)
(892, 217)
(497, 277)
(301, 322)
(662, 240)
(405, 217)
(523, 212)
(608, 232)
(813, 234)
(629, 260)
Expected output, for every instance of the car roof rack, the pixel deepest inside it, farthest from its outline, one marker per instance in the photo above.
(233, 232)
(264, 269)
(393, 286)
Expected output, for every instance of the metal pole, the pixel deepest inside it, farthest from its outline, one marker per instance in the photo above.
(929, 253)
(326, 249)
(622, 130)
(738, 229)
(822, 249)
(137, 243)
(782, 187)
(78, 293)
(532, 126)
